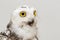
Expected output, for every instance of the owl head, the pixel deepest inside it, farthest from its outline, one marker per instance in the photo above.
(24, 15)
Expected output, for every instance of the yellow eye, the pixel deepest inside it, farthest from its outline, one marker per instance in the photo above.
(35, 13)
(22, 14)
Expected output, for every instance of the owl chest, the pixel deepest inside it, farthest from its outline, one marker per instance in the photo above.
(24, 32)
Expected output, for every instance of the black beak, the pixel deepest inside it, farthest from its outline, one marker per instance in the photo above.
(30, 23)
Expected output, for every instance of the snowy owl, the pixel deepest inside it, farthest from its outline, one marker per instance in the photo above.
(22, 25)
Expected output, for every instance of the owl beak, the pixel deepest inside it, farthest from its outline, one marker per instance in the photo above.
(30, 23)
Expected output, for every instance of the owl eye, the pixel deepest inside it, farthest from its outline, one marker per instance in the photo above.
(35, 13)
(22, 14)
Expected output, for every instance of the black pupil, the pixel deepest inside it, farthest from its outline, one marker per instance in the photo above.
(22, 13)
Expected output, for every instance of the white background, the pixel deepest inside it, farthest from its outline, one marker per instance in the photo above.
(48, 16)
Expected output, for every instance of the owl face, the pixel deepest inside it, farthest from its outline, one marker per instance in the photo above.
(24, 15)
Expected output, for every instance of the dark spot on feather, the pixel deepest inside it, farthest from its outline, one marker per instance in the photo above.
(13, 36)
(9, 24)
